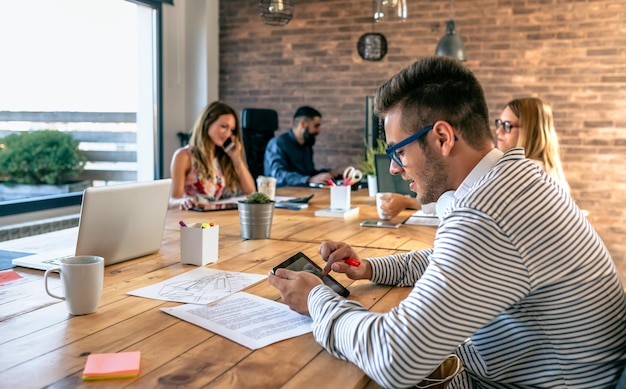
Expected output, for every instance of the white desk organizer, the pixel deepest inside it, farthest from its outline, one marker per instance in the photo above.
(198, 246)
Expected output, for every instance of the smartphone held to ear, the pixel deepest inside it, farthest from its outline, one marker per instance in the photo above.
(228, 144)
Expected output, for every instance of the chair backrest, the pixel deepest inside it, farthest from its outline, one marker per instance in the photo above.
(257, 128)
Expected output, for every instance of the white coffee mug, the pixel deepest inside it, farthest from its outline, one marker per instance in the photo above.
(379, 203)
(82, 278)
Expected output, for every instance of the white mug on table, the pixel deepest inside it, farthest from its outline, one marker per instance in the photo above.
(381, 197)
(82, 278)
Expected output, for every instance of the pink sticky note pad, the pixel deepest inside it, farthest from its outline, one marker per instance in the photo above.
(112, 365)
(7, 276)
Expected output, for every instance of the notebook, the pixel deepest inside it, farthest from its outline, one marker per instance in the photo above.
(117, 222)
(387, 182)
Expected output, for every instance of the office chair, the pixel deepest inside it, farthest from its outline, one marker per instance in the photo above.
(257, 128)
(183, 137)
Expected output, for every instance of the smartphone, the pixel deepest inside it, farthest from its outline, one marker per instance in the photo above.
(383, 224)
(211, 206)
(300, 262)
(228, 144)
(301, 200)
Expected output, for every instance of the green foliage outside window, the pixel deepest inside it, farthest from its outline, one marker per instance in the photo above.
(40, 157)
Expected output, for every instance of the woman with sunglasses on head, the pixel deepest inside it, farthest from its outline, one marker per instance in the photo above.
(213, 164)
(528, 123)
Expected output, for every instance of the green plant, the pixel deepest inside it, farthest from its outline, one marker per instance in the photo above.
(256, 198)
(366, 165)
(40, 157)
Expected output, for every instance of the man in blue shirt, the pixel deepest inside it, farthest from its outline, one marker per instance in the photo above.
(289, 156)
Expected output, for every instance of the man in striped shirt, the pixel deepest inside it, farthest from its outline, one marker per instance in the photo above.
(518, 284)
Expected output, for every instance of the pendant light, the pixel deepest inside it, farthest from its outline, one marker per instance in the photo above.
(451, 44)
(390, 10)
(276, 12)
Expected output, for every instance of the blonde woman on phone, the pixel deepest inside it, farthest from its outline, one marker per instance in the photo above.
(528, 123)
(213, 165)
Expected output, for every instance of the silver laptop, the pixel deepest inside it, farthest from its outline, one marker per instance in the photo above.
(117, 222)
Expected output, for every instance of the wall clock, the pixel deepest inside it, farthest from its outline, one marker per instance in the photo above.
(372, 46)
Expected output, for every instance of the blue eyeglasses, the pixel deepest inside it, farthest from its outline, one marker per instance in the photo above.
(392, 151)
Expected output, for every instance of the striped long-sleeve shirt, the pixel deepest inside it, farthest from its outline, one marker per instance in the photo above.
(518, 284)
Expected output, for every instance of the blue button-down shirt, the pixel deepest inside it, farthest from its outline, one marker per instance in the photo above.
(288, 161)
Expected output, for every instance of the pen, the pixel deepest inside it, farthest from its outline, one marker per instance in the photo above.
(182, 223)
(331, 182)
(352, 262)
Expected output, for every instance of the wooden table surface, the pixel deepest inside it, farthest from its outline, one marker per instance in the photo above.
(42, 345)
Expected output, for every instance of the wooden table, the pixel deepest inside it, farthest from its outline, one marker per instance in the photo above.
(42, 345)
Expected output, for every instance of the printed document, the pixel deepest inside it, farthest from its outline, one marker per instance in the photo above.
(251, 321)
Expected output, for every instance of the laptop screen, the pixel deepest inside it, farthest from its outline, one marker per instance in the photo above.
(386, 181)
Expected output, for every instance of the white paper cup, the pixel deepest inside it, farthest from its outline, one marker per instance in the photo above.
(82, 278)
(266, 185)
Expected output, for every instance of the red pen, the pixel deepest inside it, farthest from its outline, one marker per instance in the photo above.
(352, 262)
(331, 182)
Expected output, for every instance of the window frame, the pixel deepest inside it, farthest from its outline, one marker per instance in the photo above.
(16, 207)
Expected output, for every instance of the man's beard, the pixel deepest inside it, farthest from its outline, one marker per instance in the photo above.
(433, 177)
(309, 139)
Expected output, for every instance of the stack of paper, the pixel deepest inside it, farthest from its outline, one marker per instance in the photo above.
(112, 365)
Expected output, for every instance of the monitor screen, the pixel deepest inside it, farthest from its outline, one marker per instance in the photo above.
(386, 181)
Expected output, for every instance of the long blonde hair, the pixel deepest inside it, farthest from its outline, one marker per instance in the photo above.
(203, 150)
(537, 135)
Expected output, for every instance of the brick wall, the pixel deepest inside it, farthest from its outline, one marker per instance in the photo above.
(571, 53)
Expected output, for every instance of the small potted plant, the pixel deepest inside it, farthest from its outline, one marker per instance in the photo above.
(41, 163)
(367, 165)
(256, 213)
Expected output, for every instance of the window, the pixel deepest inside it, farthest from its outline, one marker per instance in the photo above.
(89, 68)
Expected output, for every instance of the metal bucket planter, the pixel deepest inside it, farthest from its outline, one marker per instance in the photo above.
(255, 220)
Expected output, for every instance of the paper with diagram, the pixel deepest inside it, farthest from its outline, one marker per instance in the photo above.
(199, 286)
(249, 320)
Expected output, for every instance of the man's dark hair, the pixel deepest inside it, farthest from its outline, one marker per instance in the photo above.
(437, 88)
(305, 112)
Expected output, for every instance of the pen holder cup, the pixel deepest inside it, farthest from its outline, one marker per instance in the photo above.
(198, 246)
(340, 197)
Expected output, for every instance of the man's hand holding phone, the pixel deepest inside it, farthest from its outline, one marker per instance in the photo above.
(294, 287)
